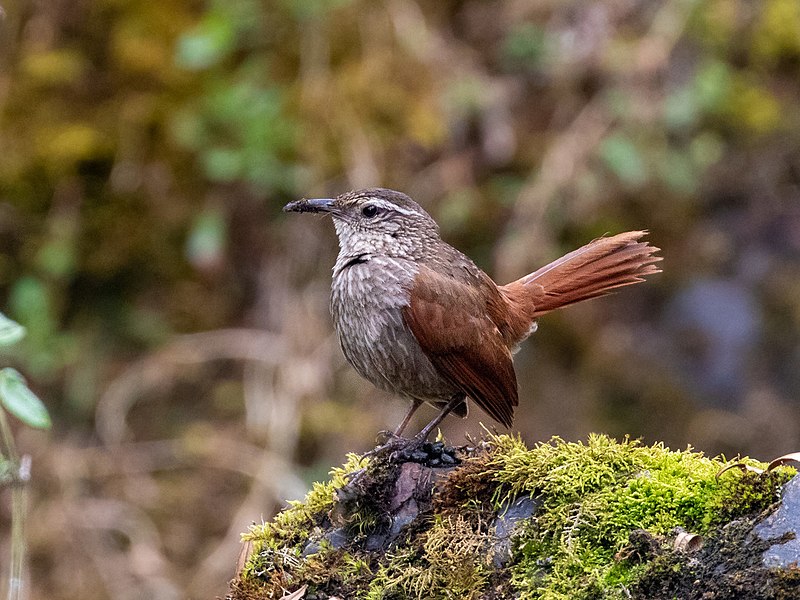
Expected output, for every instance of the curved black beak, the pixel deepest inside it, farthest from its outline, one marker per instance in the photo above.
(313, 205)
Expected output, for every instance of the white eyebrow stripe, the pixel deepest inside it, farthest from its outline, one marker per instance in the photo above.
(389, 206)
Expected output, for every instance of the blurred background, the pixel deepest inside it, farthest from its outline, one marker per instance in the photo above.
(178, 327)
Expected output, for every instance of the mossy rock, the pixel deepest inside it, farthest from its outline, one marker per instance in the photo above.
(562, 520)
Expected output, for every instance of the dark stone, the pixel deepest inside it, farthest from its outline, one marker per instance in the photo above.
(750, 557)
(397, 485)
(337, 538)
(642, 547)
(782, 527)
(508, 519)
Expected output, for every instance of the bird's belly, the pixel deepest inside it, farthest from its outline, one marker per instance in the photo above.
(366, 303)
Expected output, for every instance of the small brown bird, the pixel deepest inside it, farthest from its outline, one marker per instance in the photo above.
(418, 318)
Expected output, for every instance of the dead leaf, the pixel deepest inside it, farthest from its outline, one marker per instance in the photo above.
(742, 467)
(296, 595)
(688, 542)
(782, 460)
(244, 554)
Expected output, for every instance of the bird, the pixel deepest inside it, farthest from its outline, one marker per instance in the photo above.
(417, 318)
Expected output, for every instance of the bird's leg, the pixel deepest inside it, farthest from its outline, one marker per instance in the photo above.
(415, 404)
(426, 431)
(387, 439)
(396, 443)
(401, 449)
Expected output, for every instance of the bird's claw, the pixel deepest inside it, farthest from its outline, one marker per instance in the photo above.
(384, 437)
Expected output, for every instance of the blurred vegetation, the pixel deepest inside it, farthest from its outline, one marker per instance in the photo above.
(148, 148)
(16, 398)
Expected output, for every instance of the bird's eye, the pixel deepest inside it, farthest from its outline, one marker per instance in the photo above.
(369, 210)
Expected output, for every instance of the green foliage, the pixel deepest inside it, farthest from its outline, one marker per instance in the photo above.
(15, 395)
(240, 131)
(10, 331)
(290, 527)
(525, 46)
(46, 347)
(624, 159)
(116, 136)
(717, 95)
(20, 401)
(209, 42)
(238, 125)
(207, 238)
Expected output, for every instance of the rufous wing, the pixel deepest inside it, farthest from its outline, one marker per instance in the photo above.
(449, 320)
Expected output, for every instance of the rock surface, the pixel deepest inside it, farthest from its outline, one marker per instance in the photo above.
(781, 529)
(600, 519)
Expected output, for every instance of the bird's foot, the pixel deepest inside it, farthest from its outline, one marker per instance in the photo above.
(400, 450)
(386, 462)
(388, 443)
(394, 449)
(389, 438)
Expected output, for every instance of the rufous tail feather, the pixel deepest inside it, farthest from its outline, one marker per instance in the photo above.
(593, 270)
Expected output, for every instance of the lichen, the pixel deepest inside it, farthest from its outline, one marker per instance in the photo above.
(604, 511)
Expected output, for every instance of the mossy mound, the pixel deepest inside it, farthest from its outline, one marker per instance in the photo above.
(562, 520)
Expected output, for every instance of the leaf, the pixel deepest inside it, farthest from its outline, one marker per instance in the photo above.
(742, 467)
(624, 159)
(296, 595)
(10, 331)
(782, 460)
(20, 401)
(712, 85)
(222, 164)
(206, 243)
(681, 109)
(525, 45)
(210, 42)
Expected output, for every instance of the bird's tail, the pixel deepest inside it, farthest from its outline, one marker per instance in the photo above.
(593, 270)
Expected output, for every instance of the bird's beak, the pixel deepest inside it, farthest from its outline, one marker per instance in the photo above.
(313, 205)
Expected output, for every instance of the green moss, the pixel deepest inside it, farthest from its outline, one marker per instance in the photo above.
(288, 532)
(582, 542)
(451, 562)
(595, 494)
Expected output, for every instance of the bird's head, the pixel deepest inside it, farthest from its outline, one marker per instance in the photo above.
(376, 221)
